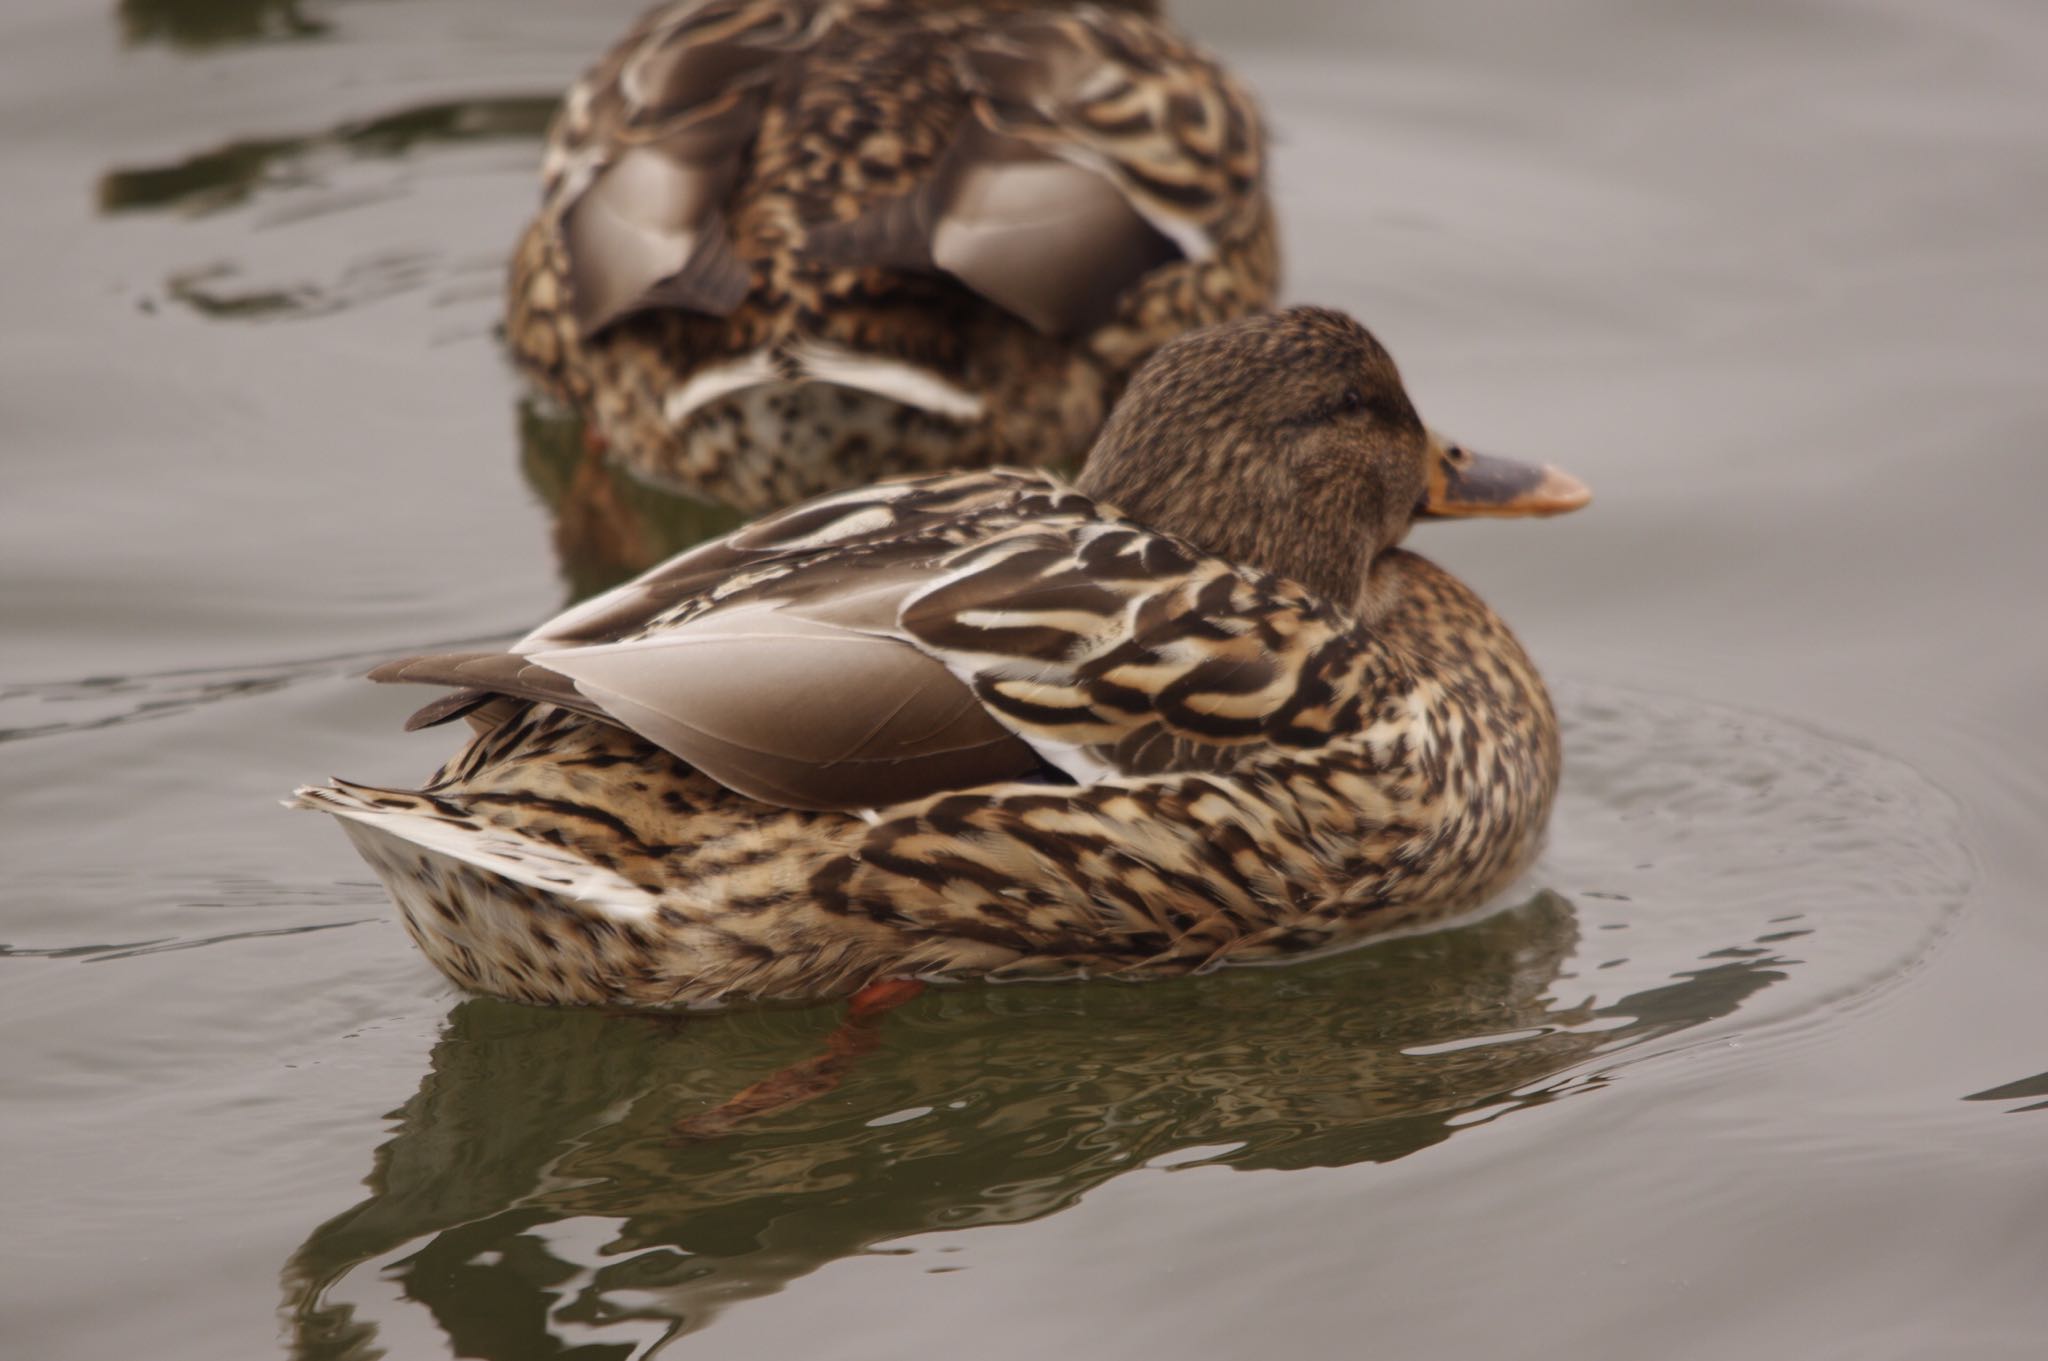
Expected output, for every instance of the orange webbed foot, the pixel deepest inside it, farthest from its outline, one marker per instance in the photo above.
(860, 1033)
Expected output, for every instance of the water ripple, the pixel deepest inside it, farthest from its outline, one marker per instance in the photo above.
(232, 174)
(95, 702)
(100, 954)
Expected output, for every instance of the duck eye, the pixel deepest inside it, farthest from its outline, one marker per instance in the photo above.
(1350, 403)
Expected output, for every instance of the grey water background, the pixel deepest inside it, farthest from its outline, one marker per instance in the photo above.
(1756, 1062)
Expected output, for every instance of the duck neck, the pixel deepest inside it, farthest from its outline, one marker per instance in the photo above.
(1403, 590)
(1436, 625)
(1388, 582)
(1179, 497)
(1415, 609)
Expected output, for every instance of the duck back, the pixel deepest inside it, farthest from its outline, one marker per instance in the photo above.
(787, 246)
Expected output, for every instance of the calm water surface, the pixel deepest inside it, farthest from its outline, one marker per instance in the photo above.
(1755, 1061)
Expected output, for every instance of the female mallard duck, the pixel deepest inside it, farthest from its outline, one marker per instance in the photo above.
(792, 245)
(1195, 708)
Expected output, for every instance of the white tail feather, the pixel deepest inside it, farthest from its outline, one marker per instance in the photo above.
(816, 361)
(391, 839)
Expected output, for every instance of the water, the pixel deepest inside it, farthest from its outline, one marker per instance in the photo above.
(1752, 1062)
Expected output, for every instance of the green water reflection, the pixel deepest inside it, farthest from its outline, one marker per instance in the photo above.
(535, 1202)
(607, 526)
(226, 176)
(215, 23)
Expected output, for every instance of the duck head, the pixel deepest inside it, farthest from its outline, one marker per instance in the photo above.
(1286, 442)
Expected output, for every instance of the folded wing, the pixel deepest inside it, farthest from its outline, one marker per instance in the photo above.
(654, 144)
(1100, 147)
(944, 633)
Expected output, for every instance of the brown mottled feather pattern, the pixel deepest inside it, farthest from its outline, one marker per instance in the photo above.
(1198, 708)
(692, 167)
(1278, 778)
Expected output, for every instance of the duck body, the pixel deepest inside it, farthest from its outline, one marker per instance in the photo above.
(787, 246)
(1197, 708)
(1260, 775)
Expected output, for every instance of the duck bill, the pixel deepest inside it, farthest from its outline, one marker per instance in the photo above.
(1464, 484)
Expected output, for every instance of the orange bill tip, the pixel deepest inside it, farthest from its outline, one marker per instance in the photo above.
(1464, 484)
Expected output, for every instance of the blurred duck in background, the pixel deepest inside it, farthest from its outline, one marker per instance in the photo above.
(788, 246)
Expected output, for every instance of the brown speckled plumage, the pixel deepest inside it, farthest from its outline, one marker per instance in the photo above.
(1092, 743)
(787, 246)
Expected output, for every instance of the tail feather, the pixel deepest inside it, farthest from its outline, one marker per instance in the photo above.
(397, 830)
(902, 382)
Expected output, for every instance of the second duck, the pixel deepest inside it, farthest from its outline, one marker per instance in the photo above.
(792, 245)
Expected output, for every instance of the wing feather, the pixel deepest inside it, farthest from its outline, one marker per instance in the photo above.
(771, 659)
(799, 711)
(653, 144)
(937, 634)
(1102, 146)
(1108, 668)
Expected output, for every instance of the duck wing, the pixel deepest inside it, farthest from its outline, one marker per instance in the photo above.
(649, 147)
(937, 634)
(1116, 650)
(770, 658)
(1101, 147)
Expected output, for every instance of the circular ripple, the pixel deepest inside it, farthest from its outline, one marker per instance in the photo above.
(1705, 846)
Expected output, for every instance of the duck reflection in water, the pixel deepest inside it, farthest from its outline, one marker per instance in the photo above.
(536, 1201)
(608, 526)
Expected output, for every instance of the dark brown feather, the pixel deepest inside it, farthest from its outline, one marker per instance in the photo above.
(1048, 241)
(498, 673)
(650, 229)
(459, 704)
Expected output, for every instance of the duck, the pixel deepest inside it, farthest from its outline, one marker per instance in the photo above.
(790, 246)
(1197, 707)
